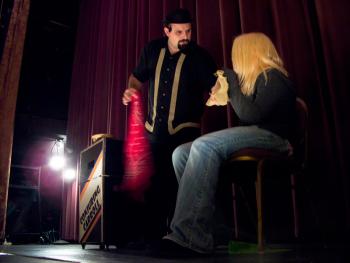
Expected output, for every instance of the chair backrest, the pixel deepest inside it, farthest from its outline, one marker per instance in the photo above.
(299, 140)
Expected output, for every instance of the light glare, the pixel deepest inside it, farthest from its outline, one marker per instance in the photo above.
(69, 174)
(57, 162)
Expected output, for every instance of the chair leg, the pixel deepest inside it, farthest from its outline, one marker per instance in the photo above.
(234, 210)
(295, 211)
(259, 205)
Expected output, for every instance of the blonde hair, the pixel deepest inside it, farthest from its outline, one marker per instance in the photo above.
(252, 54)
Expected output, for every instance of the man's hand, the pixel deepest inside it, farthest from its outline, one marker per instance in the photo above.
(127, 95)
(133, 85)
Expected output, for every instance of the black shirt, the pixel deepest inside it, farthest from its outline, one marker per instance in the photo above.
(172, 106)
(271, 106)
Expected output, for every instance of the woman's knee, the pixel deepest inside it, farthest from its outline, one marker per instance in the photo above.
(181, 152)
(205, 143)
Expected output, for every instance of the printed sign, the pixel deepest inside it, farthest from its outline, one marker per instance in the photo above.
(90, 202)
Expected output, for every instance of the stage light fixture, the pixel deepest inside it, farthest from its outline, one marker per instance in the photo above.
(57, 160)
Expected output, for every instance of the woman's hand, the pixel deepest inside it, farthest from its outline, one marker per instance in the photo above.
(219, 93)
(212, 99)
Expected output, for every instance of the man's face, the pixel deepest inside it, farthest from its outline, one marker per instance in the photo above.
(179, 37)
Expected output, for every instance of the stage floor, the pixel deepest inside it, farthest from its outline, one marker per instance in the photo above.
(74, 253)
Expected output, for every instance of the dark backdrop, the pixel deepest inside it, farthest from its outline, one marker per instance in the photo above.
(312, 36)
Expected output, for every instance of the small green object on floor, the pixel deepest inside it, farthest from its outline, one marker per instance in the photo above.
(239, 247)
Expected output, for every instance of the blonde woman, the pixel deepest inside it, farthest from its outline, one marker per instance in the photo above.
(264, 100)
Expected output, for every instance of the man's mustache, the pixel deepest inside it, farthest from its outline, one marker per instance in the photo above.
(183, 43)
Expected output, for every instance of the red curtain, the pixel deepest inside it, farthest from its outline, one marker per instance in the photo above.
(11, 59)
(312, 37)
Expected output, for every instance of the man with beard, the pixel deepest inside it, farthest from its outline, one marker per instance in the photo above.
(178, 72)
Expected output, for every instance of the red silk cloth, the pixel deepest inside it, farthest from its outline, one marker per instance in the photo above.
(138, 163)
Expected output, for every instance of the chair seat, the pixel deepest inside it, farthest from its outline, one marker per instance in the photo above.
(255, 154)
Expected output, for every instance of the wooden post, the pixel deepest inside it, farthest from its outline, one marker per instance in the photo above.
(259, 206)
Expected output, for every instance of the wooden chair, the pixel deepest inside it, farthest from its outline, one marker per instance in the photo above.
(295, 163)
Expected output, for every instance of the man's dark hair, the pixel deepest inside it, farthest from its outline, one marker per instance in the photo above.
(178, 16)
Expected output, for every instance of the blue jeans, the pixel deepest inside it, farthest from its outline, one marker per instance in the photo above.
(197, 167)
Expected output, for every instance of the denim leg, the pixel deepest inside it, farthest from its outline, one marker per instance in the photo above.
(180, 156)
(192, 222)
